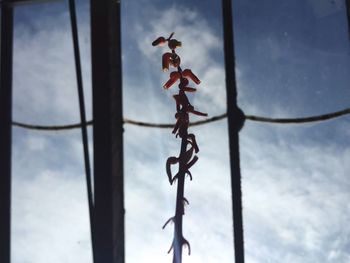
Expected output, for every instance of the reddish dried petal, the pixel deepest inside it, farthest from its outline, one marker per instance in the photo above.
(159, 41)
(187, 73)
(166, 60)
(174, 76)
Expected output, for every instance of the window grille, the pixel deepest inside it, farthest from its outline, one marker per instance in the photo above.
(107, 225)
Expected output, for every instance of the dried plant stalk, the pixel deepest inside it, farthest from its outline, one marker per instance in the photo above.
(189, 148)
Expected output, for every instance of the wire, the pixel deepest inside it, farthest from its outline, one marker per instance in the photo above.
(317, 118)
(49, 127)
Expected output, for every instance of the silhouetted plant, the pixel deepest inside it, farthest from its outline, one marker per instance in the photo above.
(189, 147)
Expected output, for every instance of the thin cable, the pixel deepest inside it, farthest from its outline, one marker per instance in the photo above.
(49, 127)
(317, 118)
(83, 126)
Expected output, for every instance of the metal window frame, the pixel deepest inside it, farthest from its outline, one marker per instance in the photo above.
(5, 130)
(235, 118)
(108, 131)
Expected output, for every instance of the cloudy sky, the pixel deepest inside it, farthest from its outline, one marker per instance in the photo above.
(293, 60)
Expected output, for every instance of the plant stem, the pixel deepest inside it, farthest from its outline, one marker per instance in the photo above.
(178, 237)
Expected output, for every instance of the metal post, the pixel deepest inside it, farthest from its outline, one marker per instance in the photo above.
(235, 123)
(108, 131)
(5, 130)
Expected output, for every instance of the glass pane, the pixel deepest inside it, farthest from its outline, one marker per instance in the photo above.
(50, 220)
(293, 61)
(150, 199)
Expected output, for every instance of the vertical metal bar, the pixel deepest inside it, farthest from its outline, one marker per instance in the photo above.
(84, 133)
(108, 131)
(235, 123)
(5, 131)
(348, 15)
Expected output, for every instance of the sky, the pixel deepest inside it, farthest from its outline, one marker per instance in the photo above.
(292, 60)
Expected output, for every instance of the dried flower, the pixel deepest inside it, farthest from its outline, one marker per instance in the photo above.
(189, 147)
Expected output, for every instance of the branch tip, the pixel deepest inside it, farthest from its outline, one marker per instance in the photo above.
(186, 243)
(186, 201)
(171, 247)
(171, 219)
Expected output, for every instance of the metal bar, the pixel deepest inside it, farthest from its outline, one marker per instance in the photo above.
(84, 133)
(108, 131)
(5, 131)
(25, 2)
(235, 122)
(348, 15)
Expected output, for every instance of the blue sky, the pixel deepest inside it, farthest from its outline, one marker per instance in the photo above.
(292, 58)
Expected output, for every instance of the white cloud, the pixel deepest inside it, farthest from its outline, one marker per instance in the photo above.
(50, 219)
(36, 143)
(44, 73)
(294, 198)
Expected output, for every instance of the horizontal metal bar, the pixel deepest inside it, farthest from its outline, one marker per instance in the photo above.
(25, 2)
